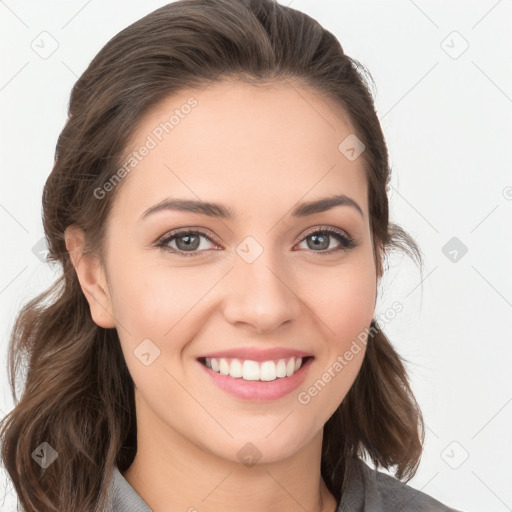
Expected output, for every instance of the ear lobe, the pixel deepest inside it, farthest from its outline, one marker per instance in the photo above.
(92, 279)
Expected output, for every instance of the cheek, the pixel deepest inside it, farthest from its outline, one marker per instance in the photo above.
(345, 310)
(344, 300)
(153, 299)
(344, 304)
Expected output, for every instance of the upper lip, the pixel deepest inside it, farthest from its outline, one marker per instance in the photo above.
(256, 354)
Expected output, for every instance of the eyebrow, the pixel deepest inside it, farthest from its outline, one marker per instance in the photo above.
(224, 212)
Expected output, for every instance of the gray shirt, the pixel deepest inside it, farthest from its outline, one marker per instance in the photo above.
(373, 492)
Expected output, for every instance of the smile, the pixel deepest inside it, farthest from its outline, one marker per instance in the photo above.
(254, 370)
(256, 380)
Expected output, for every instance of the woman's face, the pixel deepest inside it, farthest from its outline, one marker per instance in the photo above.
(260, 284)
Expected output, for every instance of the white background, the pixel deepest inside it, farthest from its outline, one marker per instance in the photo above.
(448, 126)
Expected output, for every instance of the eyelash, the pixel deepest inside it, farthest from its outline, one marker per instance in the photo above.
(347, 243)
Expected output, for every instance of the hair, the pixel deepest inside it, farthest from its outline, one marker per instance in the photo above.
(78, 394)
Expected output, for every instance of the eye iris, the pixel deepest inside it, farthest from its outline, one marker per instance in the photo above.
(324, 241)
(188, 244)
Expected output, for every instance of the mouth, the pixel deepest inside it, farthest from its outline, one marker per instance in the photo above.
(251, 370)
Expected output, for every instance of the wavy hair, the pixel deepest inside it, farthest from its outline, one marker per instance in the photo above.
(78, 395)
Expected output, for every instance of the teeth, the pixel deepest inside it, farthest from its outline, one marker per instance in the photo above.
(252, 370)
(290, 368)
(281, 368)
(224, 367)
(236, 369)
(268, 371)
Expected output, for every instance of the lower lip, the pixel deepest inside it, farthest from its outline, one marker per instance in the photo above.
(257, 390)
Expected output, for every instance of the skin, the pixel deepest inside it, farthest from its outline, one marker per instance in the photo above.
(260, 151)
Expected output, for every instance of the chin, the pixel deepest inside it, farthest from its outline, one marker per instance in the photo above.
(264, 448)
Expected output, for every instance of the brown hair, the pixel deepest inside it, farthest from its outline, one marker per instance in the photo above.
(78, 395)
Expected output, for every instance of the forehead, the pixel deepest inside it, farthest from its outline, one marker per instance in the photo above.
(252, 147)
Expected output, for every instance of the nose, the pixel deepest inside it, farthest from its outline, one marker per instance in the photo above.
(261, 294)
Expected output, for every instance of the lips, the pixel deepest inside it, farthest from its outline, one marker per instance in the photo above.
(260, 390)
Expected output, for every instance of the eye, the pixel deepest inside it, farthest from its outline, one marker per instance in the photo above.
(321, 239)
(186, 242)
(189, 243)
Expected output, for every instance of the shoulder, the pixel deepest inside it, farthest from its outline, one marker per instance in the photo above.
(370, 490)
(122, 496)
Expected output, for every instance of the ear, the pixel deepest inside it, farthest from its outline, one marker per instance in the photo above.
(91, 276)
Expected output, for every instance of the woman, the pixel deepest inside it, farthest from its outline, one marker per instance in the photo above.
(218, 204)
